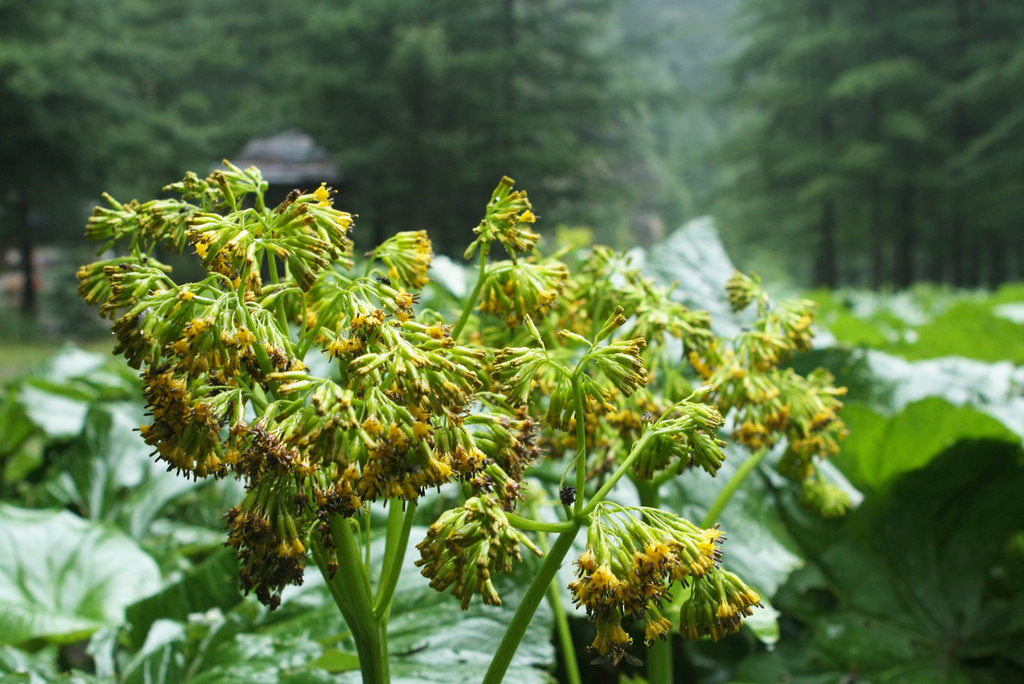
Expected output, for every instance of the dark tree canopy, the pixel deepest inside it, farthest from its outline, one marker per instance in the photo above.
(884, 135)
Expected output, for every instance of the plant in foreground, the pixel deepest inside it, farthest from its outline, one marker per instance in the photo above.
(582, 364)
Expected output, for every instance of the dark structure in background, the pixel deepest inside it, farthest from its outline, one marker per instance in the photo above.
(289, 159)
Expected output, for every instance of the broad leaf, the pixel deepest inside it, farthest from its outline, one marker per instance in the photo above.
(880, 449)
(887, 384)
(694, 257)
(922, 583)
(62, 578)
(211, 584)
(106, 472)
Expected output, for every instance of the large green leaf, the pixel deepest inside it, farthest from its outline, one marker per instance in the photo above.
(693, 256)
(63, 578)
(57, 397)
(923, 583)
(880, 449)
(888, 384)
(106, 472)
(59, 410)
(40, 663)
(211, 584)
(21, 446)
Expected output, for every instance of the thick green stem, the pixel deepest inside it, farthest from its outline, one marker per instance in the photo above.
(349, 593)
(659, 660)
(534, 595)
(537, 525)
(732, 485)
(467, 308)
(572, 668)
(399, 527)
(659, 654)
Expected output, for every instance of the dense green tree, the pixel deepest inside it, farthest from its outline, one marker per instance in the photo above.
(427, 104)
(107, 95)
(880, 133)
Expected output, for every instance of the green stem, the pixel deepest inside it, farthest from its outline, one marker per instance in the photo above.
(617, 475)
(581, 439)
(369, 263)
(368, 517)
(399, 527)
(659, 654)
(732, 485)
(659, 660)
(356, 574)
(572, 668)
(668, 474)
(467, 308)
(368, 631)
(534, 595)
(275, 278)
(537, 525)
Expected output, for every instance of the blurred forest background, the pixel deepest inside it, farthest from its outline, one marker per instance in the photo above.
(871, 150)
(872, 144)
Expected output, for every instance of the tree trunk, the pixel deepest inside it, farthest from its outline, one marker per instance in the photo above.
(825, 264)
(876, 234)
(906, 241)
(958, 220)
(26, 250)
(996, 260)
(877, 238)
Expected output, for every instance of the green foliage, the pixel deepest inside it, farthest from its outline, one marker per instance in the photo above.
(881, 449)
(926, 323)
(80, 580)
(920, 584)
(967, 328)
(861, 595)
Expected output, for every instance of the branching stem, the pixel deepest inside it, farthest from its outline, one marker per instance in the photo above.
(732, 485)
(467, 308)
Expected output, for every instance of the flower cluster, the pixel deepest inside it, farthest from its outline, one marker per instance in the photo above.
(769, 402)
(509, 439)
(689, 438)
(264, 532)
(516, 290)
(305, 232)
(622, 364)
(612, 281)
(506, 220)
(826, 497)
(719, 600)
(467, 545)
(632, 558)
(224, 377)
(407, 255)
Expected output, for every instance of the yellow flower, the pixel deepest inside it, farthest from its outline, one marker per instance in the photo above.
(611, 638)
(656, 626)
(323, 195)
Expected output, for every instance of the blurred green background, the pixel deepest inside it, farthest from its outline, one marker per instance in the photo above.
(868, 154)
(872, 144)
